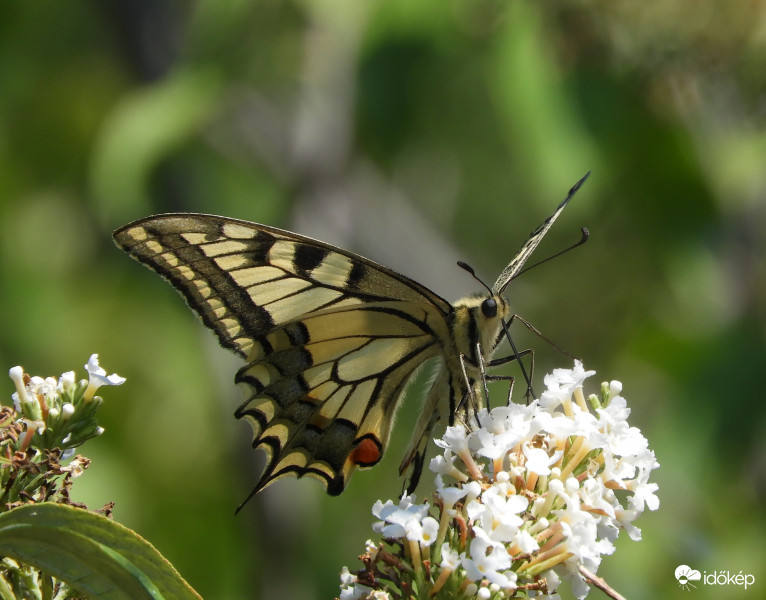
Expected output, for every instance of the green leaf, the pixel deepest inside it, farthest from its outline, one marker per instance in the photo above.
(91, 553)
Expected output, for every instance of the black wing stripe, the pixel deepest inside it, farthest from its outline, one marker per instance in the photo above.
(307, 258)
(209, 291)
(363, 277)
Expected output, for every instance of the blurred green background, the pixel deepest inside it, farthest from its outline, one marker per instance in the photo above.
(415, 132)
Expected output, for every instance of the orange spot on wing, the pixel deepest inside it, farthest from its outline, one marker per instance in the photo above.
(366, 453)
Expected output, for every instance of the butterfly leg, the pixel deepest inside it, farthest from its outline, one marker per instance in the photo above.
(517, 356)
(483, 372)
(485, 377)
(472, 400)
(473, 389)
(469, 383)
(510, 378)
(506, 359)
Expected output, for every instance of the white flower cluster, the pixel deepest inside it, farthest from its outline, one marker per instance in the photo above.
(61, 410)
(540, 492)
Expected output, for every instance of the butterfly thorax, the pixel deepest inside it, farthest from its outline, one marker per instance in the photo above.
(477, 321)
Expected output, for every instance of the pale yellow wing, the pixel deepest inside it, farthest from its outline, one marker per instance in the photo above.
(330, 337)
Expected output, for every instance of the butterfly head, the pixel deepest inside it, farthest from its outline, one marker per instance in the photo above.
(478, 320)
(483, 314)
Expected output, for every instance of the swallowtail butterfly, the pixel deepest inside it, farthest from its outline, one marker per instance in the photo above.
(330, 338)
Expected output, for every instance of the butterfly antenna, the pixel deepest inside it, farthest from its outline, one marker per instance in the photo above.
(585, 234)
(469, 268)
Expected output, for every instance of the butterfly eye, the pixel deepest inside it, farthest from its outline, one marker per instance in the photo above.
(489, 308)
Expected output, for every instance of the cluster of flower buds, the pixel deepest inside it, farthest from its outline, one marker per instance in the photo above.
(50, 417)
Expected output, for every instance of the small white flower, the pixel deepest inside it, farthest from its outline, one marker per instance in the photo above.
(579, 588)
(625, 518)
(36, 426)
(450, 495)
(538, 460)
(75, 468)
(346, 578)
(98, 377)
(423, 532)
(526, 543)
(394, 519)
(643, 494)
(455, 439)
(490, 445)
(472, 490)
(46, 387)
(487, 559)
(17, 376)
(499, 516)
(594, 494)
(561, 384)
(445, 465)
(371, 548)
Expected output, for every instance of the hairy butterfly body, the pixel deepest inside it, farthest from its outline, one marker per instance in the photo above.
(330, 338)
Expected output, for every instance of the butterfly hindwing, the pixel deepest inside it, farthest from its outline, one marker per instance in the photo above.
(322, 391)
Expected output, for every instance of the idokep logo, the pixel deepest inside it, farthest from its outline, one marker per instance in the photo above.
(686, 576)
